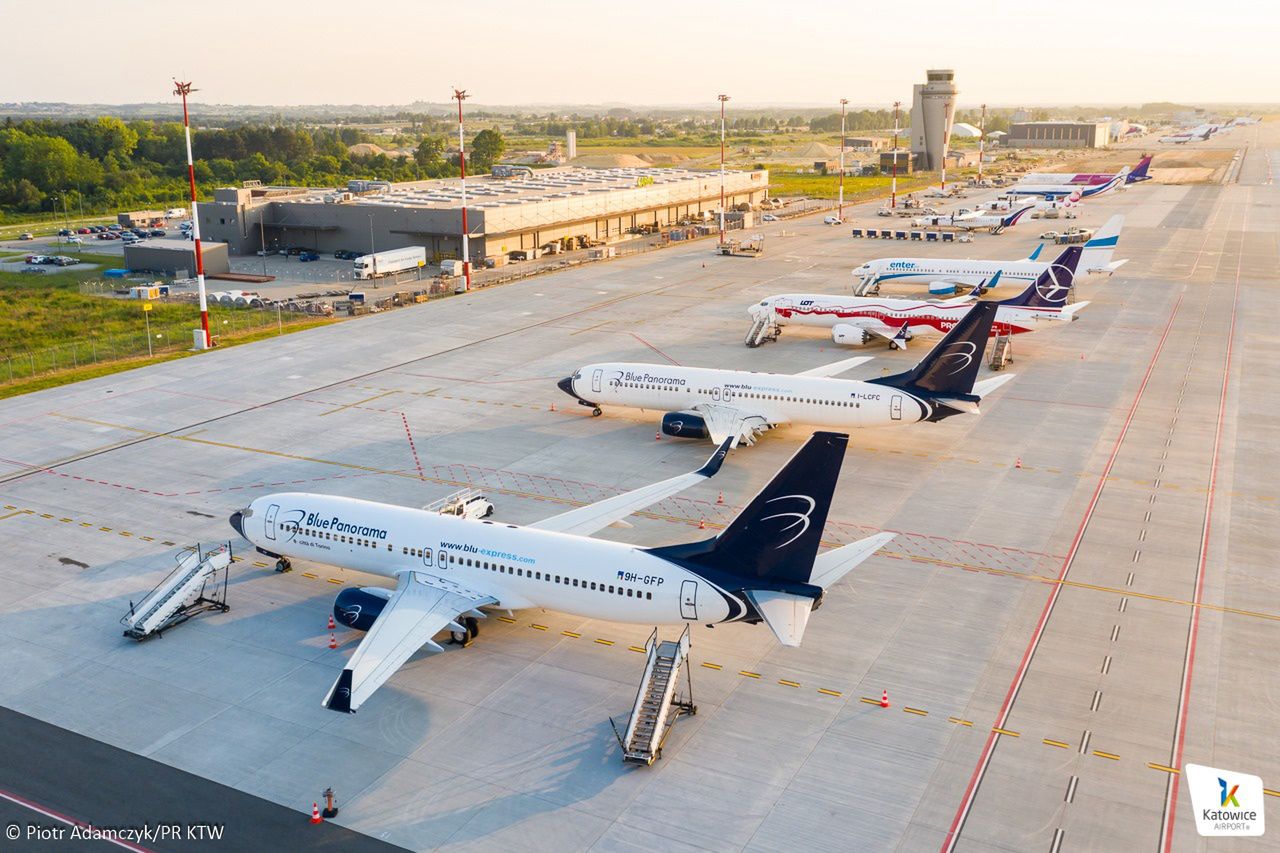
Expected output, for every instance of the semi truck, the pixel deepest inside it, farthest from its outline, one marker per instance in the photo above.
(389, 262)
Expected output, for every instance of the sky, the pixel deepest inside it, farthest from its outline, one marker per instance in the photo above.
(573, 52)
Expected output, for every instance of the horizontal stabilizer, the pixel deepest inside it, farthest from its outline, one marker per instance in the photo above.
(836, 367)
(838, 562)
(785, 614)
(986, 386)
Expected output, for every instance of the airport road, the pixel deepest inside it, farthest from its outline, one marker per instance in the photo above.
(507, 742)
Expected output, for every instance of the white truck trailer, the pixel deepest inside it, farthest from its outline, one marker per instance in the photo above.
(390, 262)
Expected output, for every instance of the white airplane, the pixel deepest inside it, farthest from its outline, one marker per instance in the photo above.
(973, 220)
(700, 402)
(764, 566)
(962, 271)
(1197, 134)
(1067, 190)
(1136, 175)
(857, 320)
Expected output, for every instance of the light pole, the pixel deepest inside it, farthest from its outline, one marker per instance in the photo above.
(262, 238)
(893, 185)
(460, 95)
(373, 252)
(844, 103)
(185, 89)
(982, 141)
(146, 313)
(722, 98)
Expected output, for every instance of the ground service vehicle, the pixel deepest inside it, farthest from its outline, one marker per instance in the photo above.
(389, 262)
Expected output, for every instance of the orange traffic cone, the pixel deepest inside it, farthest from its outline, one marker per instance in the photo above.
(720, 499)
(315, 813)
(702, 524)
(657, 436)
(333, 641)
(553, 407)
(1017, 463)
(331, 625)
(884, 699)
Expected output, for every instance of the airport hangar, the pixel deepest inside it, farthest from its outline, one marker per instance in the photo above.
(503, 214)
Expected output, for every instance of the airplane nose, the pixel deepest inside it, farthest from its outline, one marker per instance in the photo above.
(237, 522)
(566, 385)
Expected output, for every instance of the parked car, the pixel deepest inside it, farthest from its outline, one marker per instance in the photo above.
(64, 261)
(156, 232)
(64, 232)
(115, 226)
(84, 230)
(32, 270)
(308, 256)
(295, 250)
(26, 235)
(262, 253)
(769, 217)
(97, 229)
(138, 232)
(832, 220)
(33, 259)
(345, 255)
(129, 238)
(75, 238)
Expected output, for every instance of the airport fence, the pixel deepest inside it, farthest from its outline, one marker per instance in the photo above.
(149, 339)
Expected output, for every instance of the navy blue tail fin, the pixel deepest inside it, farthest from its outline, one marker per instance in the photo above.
(774, 540)
(1139, 172)
(1050, 289)
(951, 367)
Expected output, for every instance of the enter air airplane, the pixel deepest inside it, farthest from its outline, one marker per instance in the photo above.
(737, 405)
(1096, 257)
(859, 320)
(763, 567)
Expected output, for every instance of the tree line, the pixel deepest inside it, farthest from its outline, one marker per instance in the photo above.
(107, 164)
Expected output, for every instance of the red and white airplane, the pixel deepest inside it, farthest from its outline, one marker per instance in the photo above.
(857, 320)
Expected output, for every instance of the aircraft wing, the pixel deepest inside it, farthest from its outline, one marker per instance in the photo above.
(727, 423)
(422, 606)
(837, 367)
(586, 520)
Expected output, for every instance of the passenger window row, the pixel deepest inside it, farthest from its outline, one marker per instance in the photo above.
(547, 577)
(334, 537)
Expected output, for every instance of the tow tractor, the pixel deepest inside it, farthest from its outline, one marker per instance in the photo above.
(751, 248)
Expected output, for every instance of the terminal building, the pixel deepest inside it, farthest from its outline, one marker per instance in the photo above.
(1059, 134)
(526, 210)
(176, 257)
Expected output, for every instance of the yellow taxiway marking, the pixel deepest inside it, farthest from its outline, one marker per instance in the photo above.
(642, 650)
(870, 700)
(1059, 744)
(1001, 731)
(507, 619)
(959, 722)
(1162, 767)
(347, 406)
(825, 692)
(917, 711)
(334, 581)
(11, 515)
(786, 683)
(573, 634)
(748, 673)
(535, 626)
(707, 665)
(1271, 793)
(604, 642)
(307, 575)
(1110, 755)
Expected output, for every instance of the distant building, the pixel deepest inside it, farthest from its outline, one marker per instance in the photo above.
(503, 215)
(932, 111)
(570, 144)
(905, 161)
(176, 257)
(1059, 134)
(867, 143)
(140, 218)
(964, 130)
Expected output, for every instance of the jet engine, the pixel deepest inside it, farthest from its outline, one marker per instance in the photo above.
(850, 336)
(685, 425)
(358, 608)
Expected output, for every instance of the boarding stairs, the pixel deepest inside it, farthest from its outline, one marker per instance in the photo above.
(657, 705)
(1001, 352)
(763, 330)
(198, 584)
(866, 286)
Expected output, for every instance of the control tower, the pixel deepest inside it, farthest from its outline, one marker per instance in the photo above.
(933, 106)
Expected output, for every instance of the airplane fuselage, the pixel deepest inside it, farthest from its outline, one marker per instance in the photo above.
(824, 311)
(924, 270)
(520, 567)
(774, 398)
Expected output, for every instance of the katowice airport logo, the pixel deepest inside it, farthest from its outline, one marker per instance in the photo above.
(1225, 802)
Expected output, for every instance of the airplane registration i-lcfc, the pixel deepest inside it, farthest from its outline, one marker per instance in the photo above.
(763, 567)
(737, 405)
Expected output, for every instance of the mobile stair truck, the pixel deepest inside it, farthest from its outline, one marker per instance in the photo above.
(657, 705)
(197, 585)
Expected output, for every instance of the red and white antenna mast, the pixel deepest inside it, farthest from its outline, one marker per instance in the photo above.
(460, 95)
(185, 89)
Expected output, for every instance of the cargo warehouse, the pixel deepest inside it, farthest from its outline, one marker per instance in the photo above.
(1059, 134)
(525, 210)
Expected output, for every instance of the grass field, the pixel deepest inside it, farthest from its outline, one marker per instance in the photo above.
(786, 181)
(51, 333)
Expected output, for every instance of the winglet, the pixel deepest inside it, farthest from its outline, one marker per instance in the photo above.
(717, 459)
(339, 698)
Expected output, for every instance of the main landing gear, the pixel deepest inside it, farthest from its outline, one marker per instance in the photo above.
(596, 412)
(283, 565)
(472, 625)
